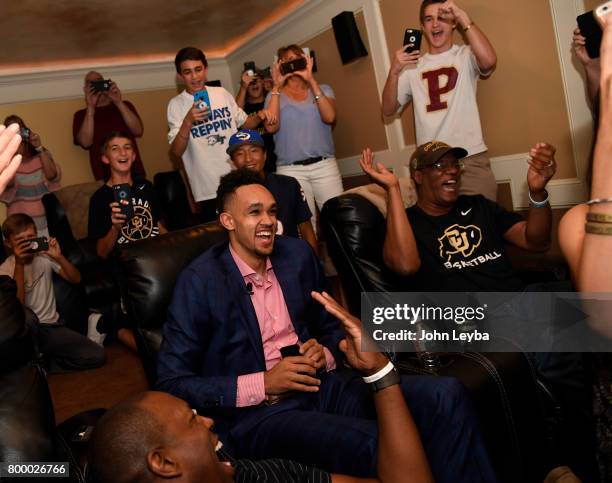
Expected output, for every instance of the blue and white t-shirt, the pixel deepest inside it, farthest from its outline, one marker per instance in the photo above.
(205, 159)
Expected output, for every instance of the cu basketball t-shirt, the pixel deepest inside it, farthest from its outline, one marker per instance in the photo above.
(142, 225)
(464, 249)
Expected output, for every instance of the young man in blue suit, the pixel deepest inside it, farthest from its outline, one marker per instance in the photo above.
(238, 304)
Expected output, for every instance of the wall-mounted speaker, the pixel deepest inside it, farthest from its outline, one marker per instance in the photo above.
(347, 36)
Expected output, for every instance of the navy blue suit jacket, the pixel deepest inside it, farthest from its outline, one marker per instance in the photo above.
(212, 335)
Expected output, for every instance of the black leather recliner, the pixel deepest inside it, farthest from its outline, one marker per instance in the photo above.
(515, 409)
(149, 271)
(27, 421)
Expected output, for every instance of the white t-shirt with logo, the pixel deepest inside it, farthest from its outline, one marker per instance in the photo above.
(442, 88)
(205, 159)
(39, 295)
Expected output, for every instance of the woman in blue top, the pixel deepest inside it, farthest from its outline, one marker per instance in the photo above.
(304, 144)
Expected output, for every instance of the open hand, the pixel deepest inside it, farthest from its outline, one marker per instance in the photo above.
(9, 161)
(365, 359)
(378, 173)
(542, 166)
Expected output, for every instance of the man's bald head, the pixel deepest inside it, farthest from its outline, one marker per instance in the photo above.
(122, 439)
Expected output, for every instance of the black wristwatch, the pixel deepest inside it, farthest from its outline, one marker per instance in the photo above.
(389, 379)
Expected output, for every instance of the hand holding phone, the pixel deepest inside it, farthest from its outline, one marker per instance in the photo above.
(202, 101)
(123, 196)
(40, 244)
(591, 31)
(412, 40)
(292, 66)
(101, 85)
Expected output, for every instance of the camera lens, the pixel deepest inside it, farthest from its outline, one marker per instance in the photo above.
(122, 194)
(412, 39)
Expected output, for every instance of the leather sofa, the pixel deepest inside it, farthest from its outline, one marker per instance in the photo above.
(27, 421)
(148, 271)
(518, 413)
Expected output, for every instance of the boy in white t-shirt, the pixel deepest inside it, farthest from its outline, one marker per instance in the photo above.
(32, 271)
(442, 88)
(200, 134)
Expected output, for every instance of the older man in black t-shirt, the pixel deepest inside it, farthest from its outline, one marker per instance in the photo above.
(451, 242)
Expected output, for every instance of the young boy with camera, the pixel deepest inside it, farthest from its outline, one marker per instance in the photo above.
(123, 210)
(31, 266)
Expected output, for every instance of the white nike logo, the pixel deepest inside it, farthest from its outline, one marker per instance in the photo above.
(466, 212)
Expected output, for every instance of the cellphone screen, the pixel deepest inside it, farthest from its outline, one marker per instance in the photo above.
(202, 96)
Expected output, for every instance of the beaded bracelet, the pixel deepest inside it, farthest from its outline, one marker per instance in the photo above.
(598, 229)
(599, 218)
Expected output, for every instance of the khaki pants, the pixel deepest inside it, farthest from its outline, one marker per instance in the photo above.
(477, 177)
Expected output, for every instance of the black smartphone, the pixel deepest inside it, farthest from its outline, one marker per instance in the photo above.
(293, 66)
(39, 244)
(249, 67)
(591, 31)
(122, 195)
(290, 351)
(24, 132)
(412, 40)
(101, 85)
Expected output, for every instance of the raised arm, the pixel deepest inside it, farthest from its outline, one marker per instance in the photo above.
(130, 117)
(591, 67)
(595, 266)
(401, 456)
(400, 252)
(479, 43)
(534, 234)
(401, 59)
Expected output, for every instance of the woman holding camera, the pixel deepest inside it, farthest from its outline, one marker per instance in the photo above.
(37, 175)
(307, 111)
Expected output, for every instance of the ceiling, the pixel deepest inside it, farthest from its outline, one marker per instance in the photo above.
(68, 33)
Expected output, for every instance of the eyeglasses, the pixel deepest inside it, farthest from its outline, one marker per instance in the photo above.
(444, 165)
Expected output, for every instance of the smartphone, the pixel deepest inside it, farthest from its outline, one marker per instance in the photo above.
(306, 51)
(24, 132)
(412, 40)
(603, 10)
(200, 98)
(122, 195)
(591, 31)
(290, 351)
(249, 67)
(101, 85)
(39, 244)
(293, 66)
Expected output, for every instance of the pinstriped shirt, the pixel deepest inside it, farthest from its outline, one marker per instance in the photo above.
(277, 471)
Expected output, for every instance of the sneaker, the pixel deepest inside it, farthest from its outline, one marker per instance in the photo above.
(92, 329)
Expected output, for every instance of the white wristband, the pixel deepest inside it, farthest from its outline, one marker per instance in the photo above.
(380, 374)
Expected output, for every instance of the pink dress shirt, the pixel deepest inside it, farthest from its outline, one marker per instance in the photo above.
(275, 326)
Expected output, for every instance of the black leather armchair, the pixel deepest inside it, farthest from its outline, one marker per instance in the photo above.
(27, 421)
(149, 270)
(514, 407)
(172, 196)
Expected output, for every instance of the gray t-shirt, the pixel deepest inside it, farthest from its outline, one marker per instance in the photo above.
(39, 295)
(302, 133)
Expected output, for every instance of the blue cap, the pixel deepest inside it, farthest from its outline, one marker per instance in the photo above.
(245, 136)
